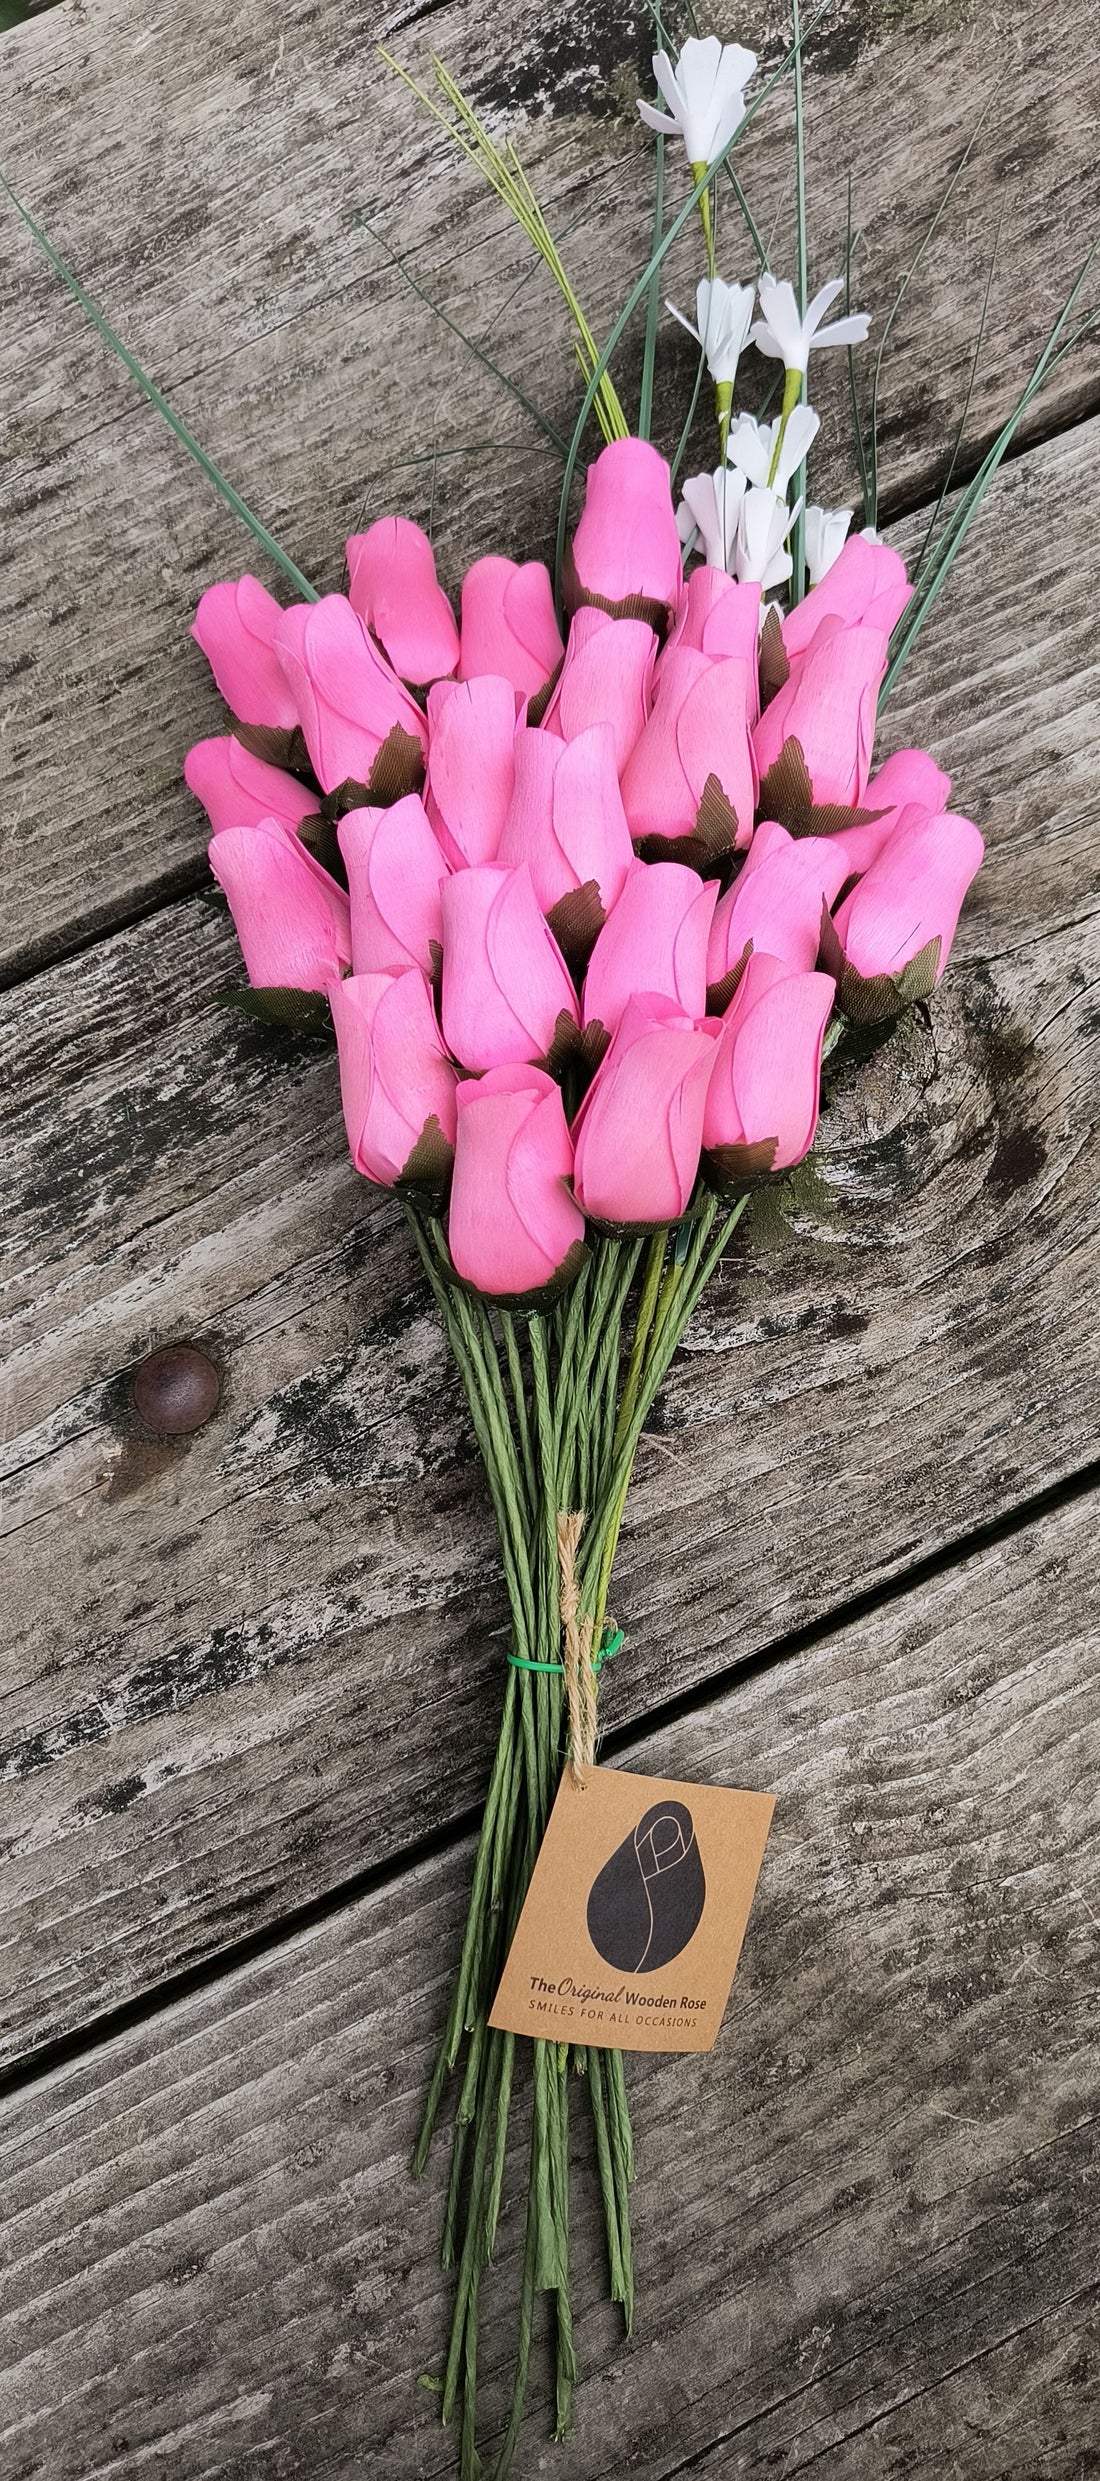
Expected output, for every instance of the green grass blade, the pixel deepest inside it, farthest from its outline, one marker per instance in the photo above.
(470, 342)
(797, 586)
(1055, 351)
(653, 305)
(968, 399)
(681, 448)
(505, 175)
(748, 219)
(870, 507)
(853, 385)
(176, 425)
(639, 290)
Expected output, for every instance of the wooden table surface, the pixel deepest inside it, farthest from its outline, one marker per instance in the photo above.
(250, 1679)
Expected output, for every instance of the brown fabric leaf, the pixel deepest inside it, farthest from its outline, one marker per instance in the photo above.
(829, 817)
(630, 606)
(876, 998)
(719, 994)
(543, 1297)
(716, 822)
(287, 1011)
(775, 669)
(731, 1169)
(786, 792)
(429, 1167)
(279, 745)
(576, 921)
(537, 705)
(318, 834)
(398, 768)
(567, 1044)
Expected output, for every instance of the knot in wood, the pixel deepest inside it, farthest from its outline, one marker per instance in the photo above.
(176, 1390)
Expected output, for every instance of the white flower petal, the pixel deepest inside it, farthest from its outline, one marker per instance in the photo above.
(825, 537)
(705, 95)
(851, 331)
(786, 337)
(657, 120)
(750, 445)
(760, 553)
(678, 314)
(723, 312)
(803, 426)
(712, 503)
(761, 336)
(816, 309)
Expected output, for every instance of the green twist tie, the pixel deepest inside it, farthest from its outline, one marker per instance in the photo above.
(609, 1648)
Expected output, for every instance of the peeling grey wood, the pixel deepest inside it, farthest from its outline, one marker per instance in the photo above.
(218, 1649)
(865, 2224)
(213, 176)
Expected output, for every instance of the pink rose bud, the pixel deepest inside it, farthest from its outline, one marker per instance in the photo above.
(866, 587)
(395, 1077)
(471, 765)
(235, 626)
(699, 727)
(393, 586)
(567, 820)
(639, 1130)
(910, 776)
(508, 623)
(505, 980)
(605, 679)
(908, 899)
(238, 790)
(395, 874)
(654, 940)
(512, 1219)
(348, 698)
(292, 920)
(719, 617)
(626, 550)
(909, 779)
(765, 1092)
(776, 902)
(828, 706)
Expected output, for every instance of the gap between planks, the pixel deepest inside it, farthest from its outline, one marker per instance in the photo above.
(191, 878)
(877, 2187)
(30, 2069)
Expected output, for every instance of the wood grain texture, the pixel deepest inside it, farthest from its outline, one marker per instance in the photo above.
(220, 1650)
(214, 176)
(865, 2223)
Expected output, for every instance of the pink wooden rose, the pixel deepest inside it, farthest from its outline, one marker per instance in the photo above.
(513, 1219)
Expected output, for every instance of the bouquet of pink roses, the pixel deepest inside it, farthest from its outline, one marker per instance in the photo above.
(586, 882)
(583, 913)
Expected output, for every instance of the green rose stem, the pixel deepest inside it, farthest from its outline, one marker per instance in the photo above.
(558, 1401)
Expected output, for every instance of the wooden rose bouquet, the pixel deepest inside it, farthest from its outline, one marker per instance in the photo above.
(587, 882)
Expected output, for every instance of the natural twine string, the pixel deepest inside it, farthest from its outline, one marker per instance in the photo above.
(577, 1632)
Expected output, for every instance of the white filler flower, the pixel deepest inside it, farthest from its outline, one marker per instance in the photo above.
(724, 314)
(760, 553)
(788, 338)
(826, 532)
(711, 509)
(705, 94)
(751, 445)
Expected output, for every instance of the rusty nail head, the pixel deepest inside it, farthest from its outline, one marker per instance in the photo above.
(176, 1390)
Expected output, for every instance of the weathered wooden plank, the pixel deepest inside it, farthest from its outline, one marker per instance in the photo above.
(214, 177)
(205, 1637)
(865, 2224)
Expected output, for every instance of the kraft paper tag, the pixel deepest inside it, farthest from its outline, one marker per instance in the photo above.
(634, 1918)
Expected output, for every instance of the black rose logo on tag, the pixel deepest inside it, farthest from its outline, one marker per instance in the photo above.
(648, 1899)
